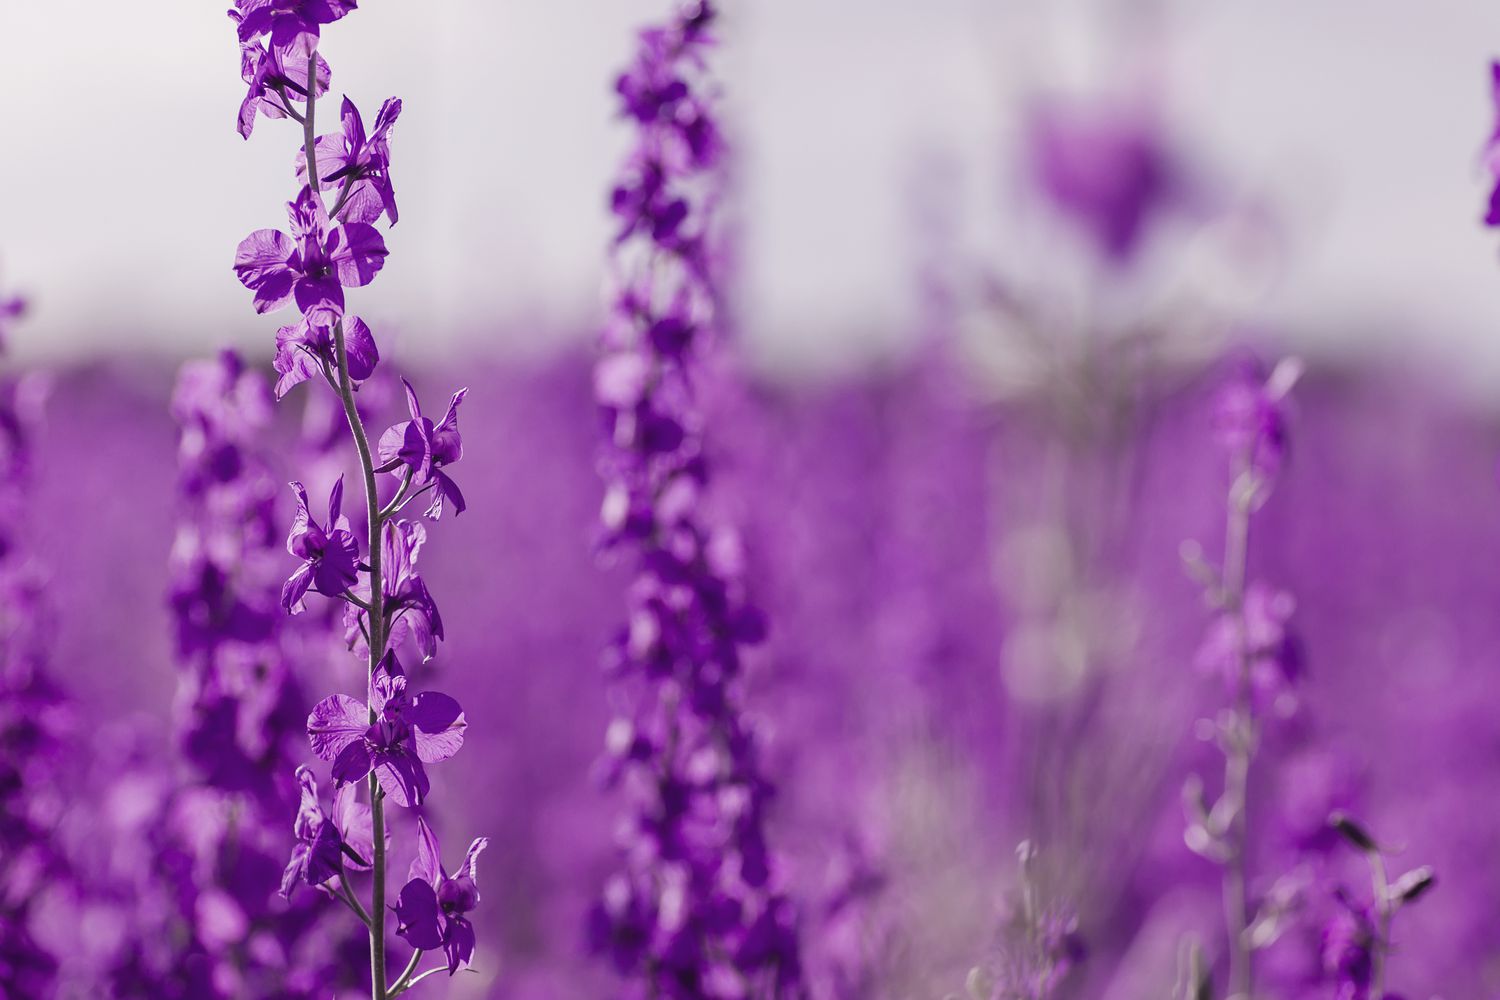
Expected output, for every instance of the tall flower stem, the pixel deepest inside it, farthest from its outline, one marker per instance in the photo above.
(376, 637)
(1241, 736)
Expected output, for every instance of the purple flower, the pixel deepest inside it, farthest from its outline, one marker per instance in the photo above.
(272, 83)
(423, 449)
(409, 609)
(407, 732)
(1250, 417)
(293, 25)
(305, 350)
(329, 554)
(12, 308)
(1348, 945)
(430, 911)
(1273, 654)
(1103, 168)
(314, 264)
(361, 164)
(1491, 152)
(326, 843)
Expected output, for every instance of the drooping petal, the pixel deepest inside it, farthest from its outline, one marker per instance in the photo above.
(354, 763)
(438, 726)
(458, 943)
(336, 571)
(427, 865)
(296, 588)
(295, 869)
(359, 349)
(316, 294)
(335, 723)
(296, 361)
(402, 776)
(354, 824)
(447, 490)
(417, 916)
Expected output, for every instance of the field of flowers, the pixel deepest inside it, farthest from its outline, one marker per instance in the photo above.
(1088, 647)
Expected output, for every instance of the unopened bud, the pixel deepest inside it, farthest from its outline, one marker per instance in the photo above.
(1412, 885)
(1351, 831)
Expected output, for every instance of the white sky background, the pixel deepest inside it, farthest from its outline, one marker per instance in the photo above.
(124, 187)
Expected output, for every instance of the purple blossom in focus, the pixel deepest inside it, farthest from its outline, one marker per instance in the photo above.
(327, 843)
(293, 26)
(408, 732)
(419, 450)
(432, 907)
(330, 553)
(305, 350)
(314, 265)
(358, 166)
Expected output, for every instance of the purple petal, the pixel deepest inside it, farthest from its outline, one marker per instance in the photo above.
(294, 363)
(458, 943)
(353, 820)
(353, 764)
(335, 572)
(353, 125)
(260, 262)
(412, 404)
(470, 868)
(296, 588)
(319, 294)
(438, 724)
(360, 350)
(336, 723)
(417, 916)
(427, 865)
(402, 776)
(358, 252)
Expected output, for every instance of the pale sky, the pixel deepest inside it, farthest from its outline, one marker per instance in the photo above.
(124, 187)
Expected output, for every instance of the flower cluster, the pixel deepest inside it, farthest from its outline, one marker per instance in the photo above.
(383, 744)
(695, 909)
(33, 709)
(1249, 645)
(209, 923)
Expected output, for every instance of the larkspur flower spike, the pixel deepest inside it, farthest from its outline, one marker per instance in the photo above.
(384, 743)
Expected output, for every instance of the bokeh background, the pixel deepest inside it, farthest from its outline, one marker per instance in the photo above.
(964, 436)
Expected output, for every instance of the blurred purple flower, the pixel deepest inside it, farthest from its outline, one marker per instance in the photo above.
(1105, 168)
(432, 906)
(1272, 653)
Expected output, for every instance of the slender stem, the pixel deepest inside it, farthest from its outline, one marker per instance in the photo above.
(1383, 924)
(350, 897)
(404, 980)
(376, 639)
(1241, 737)
(395, 505)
